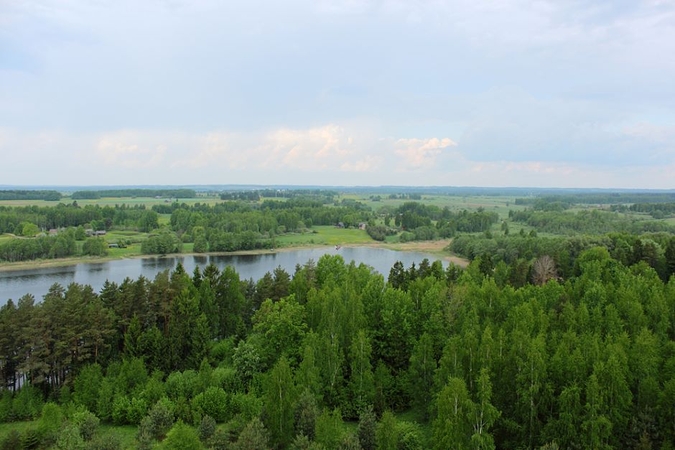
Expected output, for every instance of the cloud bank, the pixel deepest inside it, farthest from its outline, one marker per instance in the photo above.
(338, 91)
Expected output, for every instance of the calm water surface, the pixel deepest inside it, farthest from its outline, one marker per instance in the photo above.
(17, 283)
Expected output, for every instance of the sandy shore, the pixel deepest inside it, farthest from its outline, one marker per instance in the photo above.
(435, 248)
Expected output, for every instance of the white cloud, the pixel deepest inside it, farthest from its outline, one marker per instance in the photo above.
(421, 153)
(125, 149)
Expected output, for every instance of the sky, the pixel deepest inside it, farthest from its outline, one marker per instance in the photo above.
(494, 93)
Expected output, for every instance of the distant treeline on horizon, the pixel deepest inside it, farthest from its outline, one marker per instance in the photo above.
(164, 193)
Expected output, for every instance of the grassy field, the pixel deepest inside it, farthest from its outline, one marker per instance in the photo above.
(498, 204)
(324, 235)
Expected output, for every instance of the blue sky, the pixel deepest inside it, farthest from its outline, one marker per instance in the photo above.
(462, 93)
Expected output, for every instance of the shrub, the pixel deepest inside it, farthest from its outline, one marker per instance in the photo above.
(159, 420)
(207, 428)
(70, 438)
(50, 422)
(107, 442)
(182, 437)
(12, 441)
(86, 422)
(27, 403)
(213, 402)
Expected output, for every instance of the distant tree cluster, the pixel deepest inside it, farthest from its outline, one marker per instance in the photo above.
(113, 193)
(62, 215)
(428, 222)
(586, 222)
(250, 196)
(598, 198)
(50, 196)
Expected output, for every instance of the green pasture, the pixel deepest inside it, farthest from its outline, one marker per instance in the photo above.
(499, 204)
(324, 235)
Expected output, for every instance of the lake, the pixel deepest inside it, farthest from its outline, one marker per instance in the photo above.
(15, 284)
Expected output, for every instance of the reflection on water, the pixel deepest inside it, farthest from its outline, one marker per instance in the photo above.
(17, 283)
(160, 263)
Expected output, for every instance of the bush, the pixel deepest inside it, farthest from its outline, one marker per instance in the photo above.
(70, 438)
(409, 436)
(6, 410)
(50, 422)
(182, 437)
(86, 422)
(159, 420)
(107, 442)
(119, 410)
(30, 439)
(207, 428)
(27, 403)
(213, 402)
(95, 247)
(12, 441)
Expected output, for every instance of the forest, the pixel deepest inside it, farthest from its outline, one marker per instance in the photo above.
(559, 334)
(336, 356)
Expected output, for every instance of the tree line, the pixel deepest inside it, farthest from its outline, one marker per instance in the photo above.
(119, 193)
(586, 222)
(47, 195)
(12, 218)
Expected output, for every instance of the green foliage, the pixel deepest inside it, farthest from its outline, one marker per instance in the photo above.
(329, 428)
(253, 437)
(86, 422)
(12, 441)
(367, 429)
(282, 326)
(95, 247)
(181, 437)
(207, 428)
(387, 434)
(70, 438)
(161, 244)
(410, 436)
(213, 402)
(47, 195)
(158, 422)
(111, 441)
(27, 403)
(279, 399)
(50, 422)
(30, 439)
(88, 386)
(306, 413)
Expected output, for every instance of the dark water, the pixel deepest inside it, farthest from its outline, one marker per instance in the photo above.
(17, 283)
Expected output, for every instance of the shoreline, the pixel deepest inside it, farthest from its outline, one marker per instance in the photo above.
(431, 247)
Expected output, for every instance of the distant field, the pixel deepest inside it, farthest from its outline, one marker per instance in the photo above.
(498, 204)
(325, 235)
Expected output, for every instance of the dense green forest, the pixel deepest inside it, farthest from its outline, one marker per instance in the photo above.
(30, 195)
(331, 356)
(118, 193)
